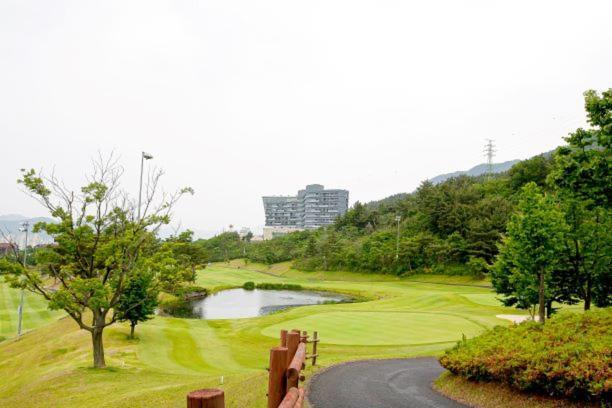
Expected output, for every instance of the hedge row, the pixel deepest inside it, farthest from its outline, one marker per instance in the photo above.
(570, 356)
(276, 286)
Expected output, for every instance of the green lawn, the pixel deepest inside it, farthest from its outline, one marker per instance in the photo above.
(421, 315)
(35, 311)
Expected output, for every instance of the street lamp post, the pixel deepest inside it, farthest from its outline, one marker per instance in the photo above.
(144, 156)
(397, 218)
(24, 227)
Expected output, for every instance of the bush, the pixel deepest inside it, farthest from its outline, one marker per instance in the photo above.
(570, 356)
(248, 285)
(175, 306)
(190, 291)
(478, 267)
(278, 286)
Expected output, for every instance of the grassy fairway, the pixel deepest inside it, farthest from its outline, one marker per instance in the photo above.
(35, 312)
(404, 317)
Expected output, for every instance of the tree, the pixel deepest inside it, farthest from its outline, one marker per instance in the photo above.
(535, 169)
(177, 259)
(100, 244)
(138, 301)
(529, 253)
(581, 178)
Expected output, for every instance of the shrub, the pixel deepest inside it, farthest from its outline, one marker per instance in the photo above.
(570, 356)
(190, 291)
(477, 267)
(248, 285)
(278, 286)
(175, 306)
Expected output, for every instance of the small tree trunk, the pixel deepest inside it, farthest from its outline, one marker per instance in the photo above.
(541, 300)
(132, 326)
(587, 294)
(548, 309)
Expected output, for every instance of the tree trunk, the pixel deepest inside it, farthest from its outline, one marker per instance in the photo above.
(96, 337)
(541, 300)
(587, 294)
(98, 348)
(132, 326)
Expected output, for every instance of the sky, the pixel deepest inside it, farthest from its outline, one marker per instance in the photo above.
(242, 98)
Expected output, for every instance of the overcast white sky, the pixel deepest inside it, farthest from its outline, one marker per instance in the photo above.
(240, 99)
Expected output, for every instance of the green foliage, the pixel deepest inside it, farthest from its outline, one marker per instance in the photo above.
(223, 247)
(583, 167)
(190, 291)
(175, 306)
(177, 260)
(478, 267)
(138, 300)
(533, 170)
(441, 224)
(529, 254)
(250, 285)
(581, 177)
(568, 357)
(278, 286)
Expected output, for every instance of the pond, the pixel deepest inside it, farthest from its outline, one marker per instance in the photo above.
(241, 303)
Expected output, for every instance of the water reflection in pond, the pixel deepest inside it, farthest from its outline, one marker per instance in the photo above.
(240, 303)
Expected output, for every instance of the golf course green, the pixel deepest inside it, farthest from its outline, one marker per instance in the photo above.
(414, 316)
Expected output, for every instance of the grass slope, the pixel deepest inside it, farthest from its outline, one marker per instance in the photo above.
(173, 356)
(35, 311)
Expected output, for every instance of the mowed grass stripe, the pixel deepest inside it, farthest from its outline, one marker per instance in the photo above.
(35, 311)
(184, 349)
(7, 315)
(382, 328)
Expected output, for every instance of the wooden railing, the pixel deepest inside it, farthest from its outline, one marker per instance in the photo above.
(284, 377)
(286, 363)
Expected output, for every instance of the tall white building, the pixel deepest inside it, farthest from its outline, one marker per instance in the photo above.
(312, 207)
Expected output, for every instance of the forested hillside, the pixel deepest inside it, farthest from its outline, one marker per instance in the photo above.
(453, 226)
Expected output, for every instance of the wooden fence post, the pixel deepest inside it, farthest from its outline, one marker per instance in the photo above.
(206, 398)
(277, 381)
(283, 338)
(293, 340)
(315, 341)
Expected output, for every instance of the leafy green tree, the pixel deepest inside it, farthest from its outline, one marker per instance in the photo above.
(222, 247)
(138, 300)
(100, 243)
(581, 177)
(178, 259)
(535, 169)
(529, 253)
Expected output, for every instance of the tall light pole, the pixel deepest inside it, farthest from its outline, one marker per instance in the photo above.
(144, 156)
(25, 226)
(398, 219)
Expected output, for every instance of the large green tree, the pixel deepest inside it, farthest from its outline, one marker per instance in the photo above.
(529, 253)
(581, 178)
(100, 244)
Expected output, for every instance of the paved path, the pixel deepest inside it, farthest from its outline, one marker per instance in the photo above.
(404, 383)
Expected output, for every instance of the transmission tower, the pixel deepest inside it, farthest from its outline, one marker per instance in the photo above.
(489, 152)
